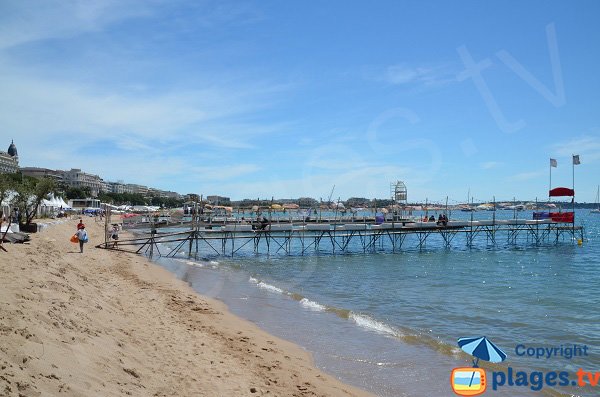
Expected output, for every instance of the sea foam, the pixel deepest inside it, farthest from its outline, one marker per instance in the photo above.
(307, 303)
(371, 324)
(269, 287)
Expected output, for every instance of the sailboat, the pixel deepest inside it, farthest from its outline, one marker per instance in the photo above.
(597, 209)
(466, 207)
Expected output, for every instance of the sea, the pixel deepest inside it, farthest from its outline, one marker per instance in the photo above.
(389, 322)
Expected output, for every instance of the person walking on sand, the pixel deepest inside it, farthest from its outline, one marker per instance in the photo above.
(80, 225)
(82, 236)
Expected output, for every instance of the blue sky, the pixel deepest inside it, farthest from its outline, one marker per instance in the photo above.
(287, 99)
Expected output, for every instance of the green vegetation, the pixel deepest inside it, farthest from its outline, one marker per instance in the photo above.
(27, 194)
(77, 193)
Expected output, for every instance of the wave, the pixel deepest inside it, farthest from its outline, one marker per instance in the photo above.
(369, 362)
(269, 287)
(371, 324)
(366, 322)
(307, 303)
(211, 264)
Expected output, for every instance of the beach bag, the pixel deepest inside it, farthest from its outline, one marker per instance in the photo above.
(85, 238)
(74, 239)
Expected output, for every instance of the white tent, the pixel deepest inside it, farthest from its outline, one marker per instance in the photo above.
(5, 205)
(56, 203)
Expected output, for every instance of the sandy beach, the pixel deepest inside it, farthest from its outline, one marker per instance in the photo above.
(106, 323)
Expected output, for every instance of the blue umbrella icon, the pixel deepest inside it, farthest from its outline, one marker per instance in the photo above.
(481, 348)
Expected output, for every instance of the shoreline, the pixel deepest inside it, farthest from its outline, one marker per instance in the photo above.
(110, 323)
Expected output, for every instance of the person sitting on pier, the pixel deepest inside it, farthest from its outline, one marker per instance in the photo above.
(432, 218)
(442, 220)
(264, 223)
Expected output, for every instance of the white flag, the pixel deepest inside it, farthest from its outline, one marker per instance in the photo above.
(553, 163)
(576, 159)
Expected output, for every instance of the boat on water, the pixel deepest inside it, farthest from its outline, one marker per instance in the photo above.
(517, 207)
(597, 209)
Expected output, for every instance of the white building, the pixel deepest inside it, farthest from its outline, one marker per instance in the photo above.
(79, 179)
(137, 189)
(117, 187)
(169, 194)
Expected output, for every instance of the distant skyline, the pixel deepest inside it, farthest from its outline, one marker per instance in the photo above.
(286, 99)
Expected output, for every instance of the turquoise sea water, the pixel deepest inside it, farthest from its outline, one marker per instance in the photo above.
(389, 322)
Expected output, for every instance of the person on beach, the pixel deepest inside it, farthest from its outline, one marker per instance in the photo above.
(82, 236)
(80, 225)
(114, 234)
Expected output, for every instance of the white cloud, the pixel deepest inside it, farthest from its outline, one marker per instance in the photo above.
(222, 173)
(526, 176)
(402, 74)
(44, 110)
(490, 164)
(26, 21)
(587, 147)
(369, 181)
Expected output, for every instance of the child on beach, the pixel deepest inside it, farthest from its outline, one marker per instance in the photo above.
(80, 225)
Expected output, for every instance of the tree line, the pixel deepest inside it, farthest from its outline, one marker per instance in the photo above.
(26, 194)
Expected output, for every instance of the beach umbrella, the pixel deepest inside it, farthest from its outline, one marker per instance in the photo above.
(481, 348)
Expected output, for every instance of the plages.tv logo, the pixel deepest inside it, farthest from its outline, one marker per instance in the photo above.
(472, 381)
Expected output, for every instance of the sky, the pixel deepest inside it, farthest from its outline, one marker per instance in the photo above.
(287, 99)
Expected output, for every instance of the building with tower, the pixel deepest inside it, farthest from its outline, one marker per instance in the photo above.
(9, 160)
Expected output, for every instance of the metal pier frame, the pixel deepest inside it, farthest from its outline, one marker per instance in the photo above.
(362, 238)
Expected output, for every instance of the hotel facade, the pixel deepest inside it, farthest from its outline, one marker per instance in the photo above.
(9, 160)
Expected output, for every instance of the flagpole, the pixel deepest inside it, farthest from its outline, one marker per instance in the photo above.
(573, 165)
(550, 186)
(573, 162)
